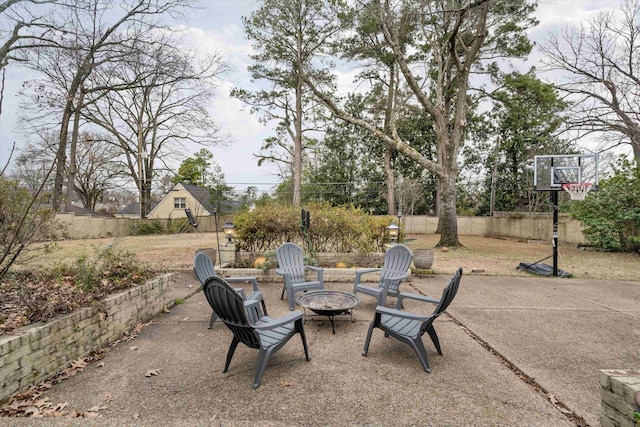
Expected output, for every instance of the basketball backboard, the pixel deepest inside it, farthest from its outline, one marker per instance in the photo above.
(551, 171)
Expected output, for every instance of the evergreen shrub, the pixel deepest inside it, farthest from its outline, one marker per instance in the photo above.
(332, 229)
(612, 215)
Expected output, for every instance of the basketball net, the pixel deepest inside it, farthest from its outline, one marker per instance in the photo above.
(577, 191)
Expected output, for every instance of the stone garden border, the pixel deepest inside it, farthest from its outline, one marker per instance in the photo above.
(617, 390)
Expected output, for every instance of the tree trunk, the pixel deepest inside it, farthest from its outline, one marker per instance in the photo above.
(635, 144)
(73, 169)
(390, 178)
(447, 219)
(297, 149)
(388, 153)
(61, 159)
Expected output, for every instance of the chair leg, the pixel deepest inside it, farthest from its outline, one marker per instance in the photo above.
(418, 347)
(300, 329)
(368, 340)
(214, 316)
(232, 349)
(261, 365)
(290, 295)
(284, 285)
(434, 337)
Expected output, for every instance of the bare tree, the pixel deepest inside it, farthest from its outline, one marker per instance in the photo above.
(597, 64)
(97, 167)
(165, 110)
(98, 34)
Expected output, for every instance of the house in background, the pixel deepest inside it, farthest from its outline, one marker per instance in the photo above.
(132, 210)
(181, 197)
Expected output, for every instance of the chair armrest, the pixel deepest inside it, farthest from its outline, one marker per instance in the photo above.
(418, 297)
(252, 280)
(241, 292)
(253, 309)
(423, 298)
(281, 321)
(398, 276)
(318, 270)
(402, 314)
(362, 271)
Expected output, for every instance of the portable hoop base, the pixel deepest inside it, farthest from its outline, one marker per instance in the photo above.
(577, 191)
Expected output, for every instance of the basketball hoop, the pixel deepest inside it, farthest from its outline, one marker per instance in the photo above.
(577, 190)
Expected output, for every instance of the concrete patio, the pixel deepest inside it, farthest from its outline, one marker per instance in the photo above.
(558, 332)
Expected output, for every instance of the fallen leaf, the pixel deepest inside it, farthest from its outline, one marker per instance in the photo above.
(185, 319)
(98, 408)
(133, 348)
(152, 372)
(199, 335)
(285, 384)
(100, 365)
(79, 364)
(136, 416)
(166, 310)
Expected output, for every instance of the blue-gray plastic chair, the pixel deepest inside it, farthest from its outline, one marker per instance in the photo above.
(204, 269)
(291, 266)
(397, 260)
(409, 327)
(265, 334)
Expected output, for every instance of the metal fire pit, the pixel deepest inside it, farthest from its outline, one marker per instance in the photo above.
(329, 303)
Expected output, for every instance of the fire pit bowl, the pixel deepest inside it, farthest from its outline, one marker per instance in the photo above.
(329, 303)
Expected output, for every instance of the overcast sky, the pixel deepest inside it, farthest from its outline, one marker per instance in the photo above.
(218, 26)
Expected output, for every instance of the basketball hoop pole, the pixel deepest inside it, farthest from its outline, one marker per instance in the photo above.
(554, 200)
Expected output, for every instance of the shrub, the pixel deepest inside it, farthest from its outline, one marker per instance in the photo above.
(23, 220)
(612, 215)
(333, 229)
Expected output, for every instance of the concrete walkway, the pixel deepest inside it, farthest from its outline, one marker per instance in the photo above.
(558, 332)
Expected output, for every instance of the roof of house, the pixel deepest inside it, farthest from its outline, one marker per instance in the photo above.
(201, 194)
(133, 208)
(80, 210)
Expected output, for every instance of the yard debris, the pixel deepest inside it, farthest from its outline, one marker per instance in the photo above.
(31, 402)
(152, 372)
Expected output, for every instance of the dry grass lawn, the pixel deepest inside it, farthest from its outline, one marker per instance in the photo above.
(484, 255)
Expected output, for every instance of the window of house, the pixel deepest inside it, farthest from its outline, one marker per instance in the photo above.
(179, 202)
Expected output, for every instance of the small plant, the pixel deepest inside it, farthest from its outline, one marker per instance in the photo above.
(179, 301)
(270, 261)
(636, 417)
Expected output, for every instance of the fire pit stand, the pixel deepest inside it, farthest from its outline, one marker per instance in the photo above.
(329, 303)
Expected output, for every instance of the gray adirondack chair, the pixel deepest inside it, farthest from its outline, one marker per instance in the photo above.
(204, 269)
(291, 266)
(265, 334)
(409, 327)
(397, 260)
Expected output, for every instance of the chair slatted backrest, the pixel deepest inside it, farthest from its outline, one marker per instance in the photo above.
(203, 267)
(449, 293)
(291, 259)
(229, 307)
(397, 260)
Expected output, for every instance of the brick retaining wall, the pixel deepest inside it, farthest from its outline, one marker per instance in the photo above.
(617, 390)
(40, 351)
